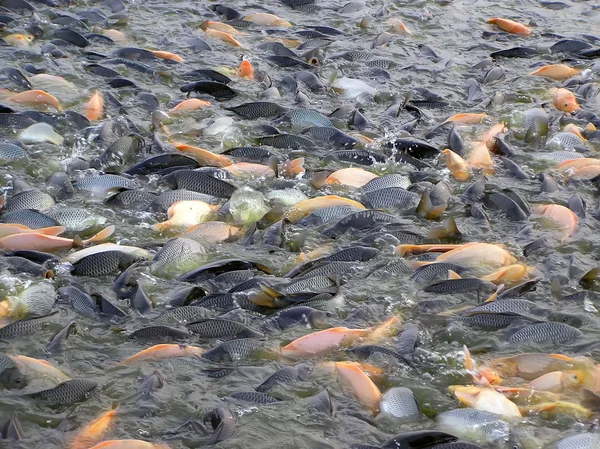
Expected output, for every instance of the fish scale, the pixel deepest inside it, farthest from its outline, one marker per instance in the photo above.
(29, 217)
(10, 152)
(24, 326)
(287, 374)
(201, 182)
(255, 397)
(102, 263)
(79, 299)
(218, 328)
(232, 350)
(390, 197)
(546, 333)
(30, 199)
(400, 402)
(67, 392)
(251, 111)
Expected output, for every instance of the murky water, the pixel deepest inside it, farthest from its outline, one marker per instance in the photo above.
(448, 39)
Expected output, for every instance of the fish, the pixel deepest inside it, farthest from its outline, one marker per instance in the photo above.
(255, 397)
(128, 444)
(400, 402)
(510, 26)
(24, 326)
(67, 392)
(219, 328)
(361, 385)
(94, 431)
(163, 351)
(286, 374)
(486, 400)
(11, 375)
(232, 350)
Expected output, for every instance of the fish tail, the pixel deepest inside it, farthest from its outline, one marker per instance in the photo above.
(100, 236)
(52, 230)
(445, 230)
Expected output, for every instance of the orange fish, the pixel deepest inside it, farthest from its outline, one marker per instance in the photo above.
(36, 97)
(560, 214)
(211, 231)
(362, 386)
(564, 100)
(305, 207)
(191, 104)
(246, 70)
(457, 165)
(480, 159)
(589, 172)
(49, 243)
(94, 108)
(293, 168)
(19, 39)
(510, 26)
(7, 229)
(486, 400)
(261, 18)
(164, 351)
(246, 168)
(203, 156)
(129, 444)
(557, 381)
(559, 72)
(183, 214)
(167, 55)
(533, 365)
(397, 26)
(116, 35)
(474, 253)
(481, 376)
(219, 26)
(466, 118)
(498, 128)
(93, 432)
(508, 274)
(352, 177)
(578, 163)
(223, 36)
(323, 341)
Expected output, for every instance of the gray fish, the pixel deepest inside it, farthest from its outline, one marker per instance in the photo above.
(10, 374)
(286, 141)
(223, 424)
(334, 136)
(119, 154)
(296, 316)
(155, 164)
(107, 307)
(30, 199)
(215, 268)
(55, 344)
(314, 284)
(516, 305)
(24, 326)
(359, 220)
(400, 402)
(219, 328)
(303, 118)
(391, 197)
(379, 353)
(382, 182)
(232, 350)
(505, 204)
(67, 392)
(73, 218)
(474, 424)
(141, 302)
(286, 374)
(218, 90)
(183, 314)
(152, 382)
(393, 268)
(16, 121)
(15, 264)
(103, 263)
(251, 153)
(103, 185)
(435, 271)
(360, 157)
(160, 332)
(251, 111)
(79, 299)
(12, 430)
(256, 397)
(326, 214)
(29, 217)
(579, 441)
(179, 253)
(162, 202)
(463, 285)
(10, 152)
(546, 333)
(423, 438)
(201, 182)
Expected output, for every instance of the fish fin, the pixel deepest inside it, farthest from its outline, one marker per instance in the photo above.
(52, 230)
(100, 236)
(494, 295)
(273, 165)
(447, 229)
(77, 242)
(453, 275)
(318, 181)
(469, 363)
(424, 205)
(162, 226)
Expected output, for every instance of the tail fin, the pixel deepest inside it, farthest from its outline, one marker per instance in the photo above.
(100, 236)
(53, 230)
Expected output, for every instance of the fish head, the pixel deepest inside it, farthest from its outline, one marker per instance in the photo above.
(318, 319)
(12, 378)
